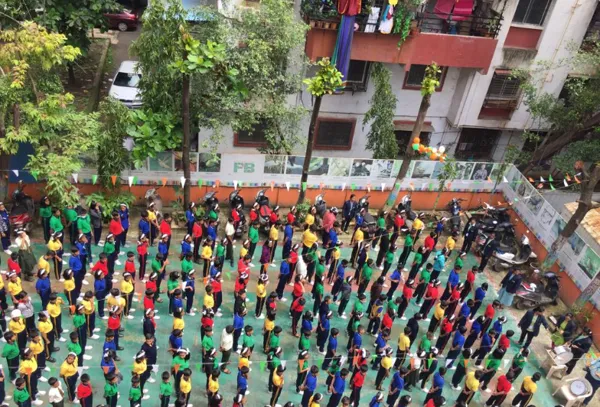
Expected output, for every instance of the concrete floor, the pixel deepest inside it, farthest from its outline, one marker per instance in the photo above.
(258, 378)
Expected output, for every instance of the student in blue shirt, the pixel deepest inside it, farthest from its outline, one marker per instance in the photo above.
(457, 345)
(323, 330)
(339, 278)
(211, 232)
(242, 380)
(144, 224)
(107, 364)
(186, 246)
(163, 247)
(332, 243)
(498, 325)
(395, 279)
(190, 218)
(453, 281)
(284, 271)
(77, 268)
(377, 400)
(124, 217)
(380, 345)
(238, 325)
(175, 341)
(190, 290)
(288, 233)
(478, 297)
(43, 288)
(476, 328)
(438, 264)
(337, 388)
(428, 366)
(100, 292)
(308, 387)
(485, 347)
(437, 385)
(463, 314)
(331, 348)
(355, 341)
(396, 386)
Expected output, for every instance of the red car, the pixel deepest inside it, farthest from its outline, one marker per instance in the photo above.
(123, 20)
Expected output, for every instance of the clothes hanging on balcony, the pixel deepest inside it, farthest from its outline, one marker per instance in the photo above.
(343, 45)
(373, 19)
(462, 10)
(443, 8)
(387, 20)
(349, 7)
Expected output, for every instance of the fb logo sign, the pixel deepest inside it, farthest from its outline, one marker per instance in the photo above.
(247, 168)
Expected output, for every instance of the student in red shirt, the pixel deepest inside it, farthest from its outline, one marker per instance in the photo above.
(101, 264)
(243, 266)
(431, 296)
(468, 287)
(116, 229)
(291, 216)
(197, 233)
(13, 264)
(407, 294)
(357, 382)
(297, 309)
(490, 312)
(254, 213)
(298, 290)
(293, 260)
(241, 283)
(151, 285)
(428, 245)
(436, 402)
(142, 250)
(148, 299)
(445, 332)
(84, 391)
(165, 228)
(453, 300)
(207, 320)
(130, 264)
(504, 341)
(216, 284)
(388, 319)
(503, 386)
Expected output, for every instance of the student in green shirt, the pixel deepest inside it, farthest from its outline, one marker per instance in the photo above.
(110, 250)
(253, 237)
(135, 392)
(333, 369)
(365, 276)
(84, 225)
(207, 341)
(491, 367)
(519, 362)
(166, 389)
(304, 342)
(111, 390)
(187, 265)
(45, 214)
(20, 394)
(274, 341)
(389, 259)
(408, 246)
(426, 342)
(359, 304)
(417, 260)
(10, 351)
(248, 338)
(317, 292)
(424, 279)
(71, 219)
(56, 222)
(459, 261)
(172, 285)
(158, 266)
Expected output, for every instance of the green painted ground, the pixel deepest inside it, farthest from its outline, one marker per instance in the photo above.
(258, 378)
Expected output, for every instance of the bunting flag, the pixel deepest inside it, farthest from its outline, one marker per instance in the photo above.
(164, 181)
(287, 185)
(235, 184)
(576, 179)
(489, 179)
(303, 186)
(272, 185)
(411, 186)
(35, 174)
(542, 179)
(113, 178)
(550, 178)
(449, 185)
(321, 185)
(552, 187)
(430, 186)
(343, 186)
(130, 180)
(531, 180)
(182, 180)
(566, 184)
(200, 182)
(540, 186)
(504, 179)
(352, 186)
(75, 177)
(369, 187)
(136, 181)
(16, 172)
(217, 184)
(228, 275)
(94, 179)
(383, 186)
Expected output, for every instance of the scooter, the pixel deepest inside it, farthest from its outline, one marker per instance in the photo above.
(235, 199)
(210, 200)
(369, 221)
(454, 208)
(22, 210)
(531, 295)
(506, 231)
(508, 259)
(264, 210)
(235, 202)
(320, 205)
(406, 205)
(153, 196)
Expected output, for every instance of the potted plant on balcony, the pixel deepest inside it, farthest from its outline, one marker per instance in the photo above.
(492, 26)
(320, 13)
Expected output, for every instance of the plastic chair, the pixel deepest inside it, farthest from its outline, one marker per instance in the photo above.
(557, 368)
(571, 399)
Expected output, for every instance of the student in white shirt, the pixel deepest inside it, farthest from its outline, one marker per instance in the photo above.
(225, 346)
(56, 395)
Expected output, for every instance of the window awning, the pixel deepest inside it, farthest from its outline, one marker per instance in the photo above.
(427, 128)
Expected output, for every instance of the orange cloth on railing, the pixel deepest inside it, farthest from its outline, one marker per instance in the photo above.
(349, 7)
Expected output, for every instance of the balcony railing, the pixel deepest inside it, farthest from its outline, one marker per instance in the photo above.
(325, 17)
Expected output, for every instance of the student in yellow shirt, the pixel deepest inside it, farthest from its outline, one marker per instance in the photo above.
(309, 238)
(315, 400)
(89, 310)
(403, 348)
(116, 300)
(140, 365)
(127, 293)
(43, 263)
(47, 331)
(471, 386)
(244, 248)
(244, 358)
(17, 326)
(69, 373)
(55, 314)
(69, 288)
(209, 299)
(206, 255)
(357, 243)
(28, 368)
(185, 384)
(14, 286)
(37, 346)
(178, 322)
(274, 237)
(56, 247)
(261, 295)
(450, 243)
(277, 385)
(418, 226)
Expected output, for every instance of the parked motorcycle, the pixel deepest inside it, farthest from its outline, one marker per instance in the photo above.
(151, 196)
(235, 199)
(264, 210)
(406, 205)
(506, 231)
(236, 202)
(210, 200)
(369, 220)
(22, 211)
(531, 295)
(320, 205)
(454, 208)
(522, 255)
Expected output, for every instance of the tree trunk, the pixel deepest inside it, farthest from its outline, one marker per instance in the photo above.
(409, 153)
(4, 159)
(185, 156)
(72, 80)
(309, 148)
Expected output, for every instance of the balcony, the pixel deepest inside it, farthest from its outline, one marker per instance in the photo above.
(461, 38)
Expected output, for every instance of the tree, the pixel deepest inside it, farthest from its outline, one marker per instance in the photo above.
(325, 82)
(60, 135)
(571, 117)
(75, 20)
(381, 138)
(430, 82)
(113, 158)
(448, 173)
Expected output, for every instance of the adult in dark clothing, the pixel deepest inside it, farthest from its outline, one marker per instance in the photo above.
(490, 246)
(469, 234)
(384, 245)
(530, 325)
(349, 210)
(509, 286)
(413, 325)
(565, 330)
(580, 347)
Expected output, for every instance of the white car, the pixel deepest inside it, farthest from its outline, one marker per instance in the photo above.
(124, 87)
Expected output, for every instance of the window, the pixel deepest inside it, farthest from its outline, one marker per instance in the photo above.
(358, 76)
(403, 138)
(532, 11)
(476, 143)
(504, 91)
(334, 134)
(414, 77)
(254, 137)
